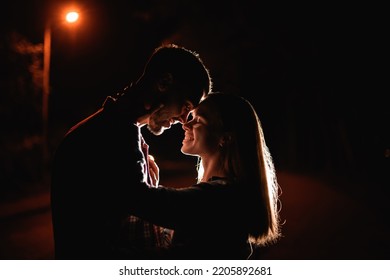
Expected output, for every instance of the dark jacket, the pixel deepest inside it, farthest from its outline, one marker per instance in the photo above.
(94, 168)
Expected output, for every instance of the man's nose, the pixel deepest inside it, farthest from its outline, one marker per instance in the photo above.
(185, 110)
(182, 118)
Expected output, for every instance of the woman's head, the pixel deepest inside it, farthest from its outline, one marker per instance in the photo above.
(227, 129)
(227, 126)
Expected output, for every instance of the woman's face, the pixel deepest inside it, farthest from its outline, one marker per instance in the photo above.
(200, 137)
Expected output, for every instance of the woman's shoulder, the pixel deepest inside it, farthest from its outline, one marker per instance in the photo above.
(217, 182)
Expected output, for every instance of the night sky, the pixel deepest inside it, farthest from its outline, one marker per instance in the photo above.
(314, 73)
(309, 71)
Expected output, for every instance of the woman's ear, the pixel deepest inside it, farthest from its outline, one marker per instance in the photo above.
(164, 82)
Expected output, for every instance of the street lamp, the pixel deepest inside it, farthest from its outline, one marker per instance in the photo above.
(71, 17)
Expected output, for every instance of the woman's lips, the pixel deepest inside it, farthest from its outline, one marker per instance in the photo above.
(188, 138)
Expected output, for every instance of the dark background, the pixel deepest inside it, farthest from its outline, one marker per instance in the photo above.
(315, 75)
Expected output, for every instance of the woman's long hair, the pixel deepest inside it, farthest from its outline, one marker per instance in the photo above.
(246, 158)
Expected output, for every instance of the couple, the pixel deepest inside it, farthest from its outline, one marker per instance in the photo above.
(106, 201)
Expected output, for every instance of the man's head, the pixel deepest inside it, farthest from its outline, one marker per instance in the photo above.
(175, 81)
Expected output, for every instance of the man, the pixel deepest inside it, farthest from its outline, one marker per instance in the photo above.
(101, 158)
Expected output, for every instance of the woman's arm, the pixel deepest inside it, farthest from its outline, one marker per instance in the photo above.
(171, 207)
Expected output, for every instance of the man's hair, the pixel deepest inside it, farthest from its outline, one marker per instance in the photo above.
(189, 73)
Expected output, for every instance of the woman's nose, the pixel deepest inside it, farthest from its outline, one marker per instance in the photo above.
(185, 126)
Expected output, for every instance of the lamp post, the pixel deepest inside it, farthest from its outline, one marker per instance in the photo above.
(70, 17)
(46, 89)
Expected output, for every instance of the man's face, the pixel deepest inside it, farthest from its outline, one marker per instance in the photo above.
(167, 115)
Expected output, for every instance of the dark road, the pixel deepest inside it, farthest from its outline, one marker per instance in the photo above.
(319, 223)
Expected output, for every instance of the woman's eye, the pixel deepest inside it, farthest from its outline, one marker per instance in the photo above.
(195, 119)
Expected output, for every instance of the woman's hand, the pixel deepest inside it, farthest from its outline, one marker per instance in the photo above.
(154, 171)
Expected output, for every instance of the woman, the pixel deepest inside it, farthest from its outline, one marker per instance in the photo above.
(234, 204)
